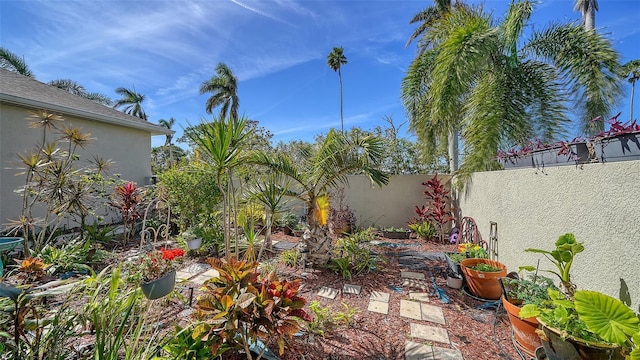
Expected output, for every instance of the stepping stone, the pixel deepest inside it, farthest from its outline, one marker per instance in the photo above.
(417, 351)
(378, 307)
(209, 274)
(432, 313)
(184, 275)
(380, 296)
(412, 263)
(411, 275)
(327, 292)
(446, 354)
(419, 296)
(351, 289)
(430, 333)
(415, 283)
(284, 245)
(197, 268)
(410, 309)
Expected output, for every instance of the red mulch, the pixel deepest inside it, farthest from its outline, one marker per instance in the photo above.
(476, 333)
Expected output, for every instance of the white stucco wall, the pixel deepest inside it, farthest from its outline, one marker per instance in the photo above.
(391, 205)
(130, 149)
(598, 203)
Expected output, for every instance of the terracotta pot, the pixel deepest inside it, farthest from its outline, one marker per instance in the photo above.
(524, 330)
(571, 348)
(159, 287)
(483, 284)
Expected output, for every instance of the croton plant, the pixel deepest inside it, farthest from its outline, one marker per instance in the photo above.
(239, 306)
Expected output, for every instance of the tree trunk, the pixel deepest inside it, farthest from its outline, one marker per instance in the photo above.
(341, 119)
(633, 88)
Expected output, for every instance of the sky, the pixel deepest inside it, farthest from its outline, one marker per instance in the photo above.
(165, 49)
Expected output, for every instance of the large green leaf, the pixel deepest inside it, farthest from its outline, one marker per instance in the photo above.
(606, 316)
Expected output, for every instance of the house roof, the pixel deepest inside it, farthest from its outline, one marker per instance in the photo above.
(17, 89)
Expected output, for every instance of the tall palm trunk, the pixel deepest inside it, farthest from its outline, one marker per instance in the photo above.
(341, 119)
(633, 89)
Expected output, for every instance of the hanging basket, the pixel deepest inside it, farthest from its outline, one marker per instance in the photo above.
(161, 287)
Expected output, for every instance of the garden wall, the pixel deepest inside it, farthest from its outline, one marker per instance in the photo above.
(388, 206)
(599, 203)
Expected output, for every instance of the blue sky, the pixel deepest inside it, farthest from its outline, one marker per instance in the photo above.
(277, 49)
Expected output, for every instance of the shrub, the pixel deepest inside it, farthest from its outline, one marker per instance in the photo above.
(238, 307)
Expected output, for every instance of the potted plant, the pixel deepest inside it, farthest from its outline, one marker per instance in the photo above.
(465, 251)
(193, 242)
(620, 142)
(395, 233)
(516, 158)
(157, 272)
(564, 333)
(610, 319)
(482, 277)
(561, 153)
(423, 228)
(520, 291)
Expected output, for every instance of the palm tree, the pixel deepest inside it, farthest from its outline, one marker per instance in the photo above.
(321, 168)
(475, 79)
(168, 137)
(428, 17)
(632, 70)
(335, 60)
(224, 87)
(131, 101)
(588, 10)
(224, 142)
(77, 89)
(12, 62)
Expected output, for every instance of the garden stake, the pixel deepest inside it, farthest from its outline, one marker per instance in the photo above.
(439, 291)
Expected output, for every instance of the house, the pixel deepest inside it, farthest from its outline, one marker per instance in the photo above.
(116, 136)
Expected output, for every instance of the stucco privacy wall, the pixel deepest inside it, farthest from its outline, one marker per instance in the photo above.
(598, 203)
(391, 205)
(130, 149)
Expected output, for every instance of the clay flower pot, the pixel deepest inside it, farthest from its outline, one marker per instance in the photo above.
(483, 284)
(524, 330)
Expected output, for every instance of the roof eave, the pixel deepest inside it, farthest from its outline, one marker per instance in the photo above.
(152, 128)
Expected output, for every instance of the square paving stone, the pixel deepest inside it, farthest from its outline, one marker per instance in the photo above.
(419, 296)
(430, 333)
(184, 275)
(351, 289)
(196, 268)
(378, 307)
(411, 275)
(416, 284)
(209, 274)
(380, 296)
(432, 313)
(410, 309)
(327, 292)
(446, 354)
(417, 351)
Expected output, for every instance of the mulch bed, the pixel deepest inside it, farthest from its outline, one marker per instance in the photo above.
(476, 332)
